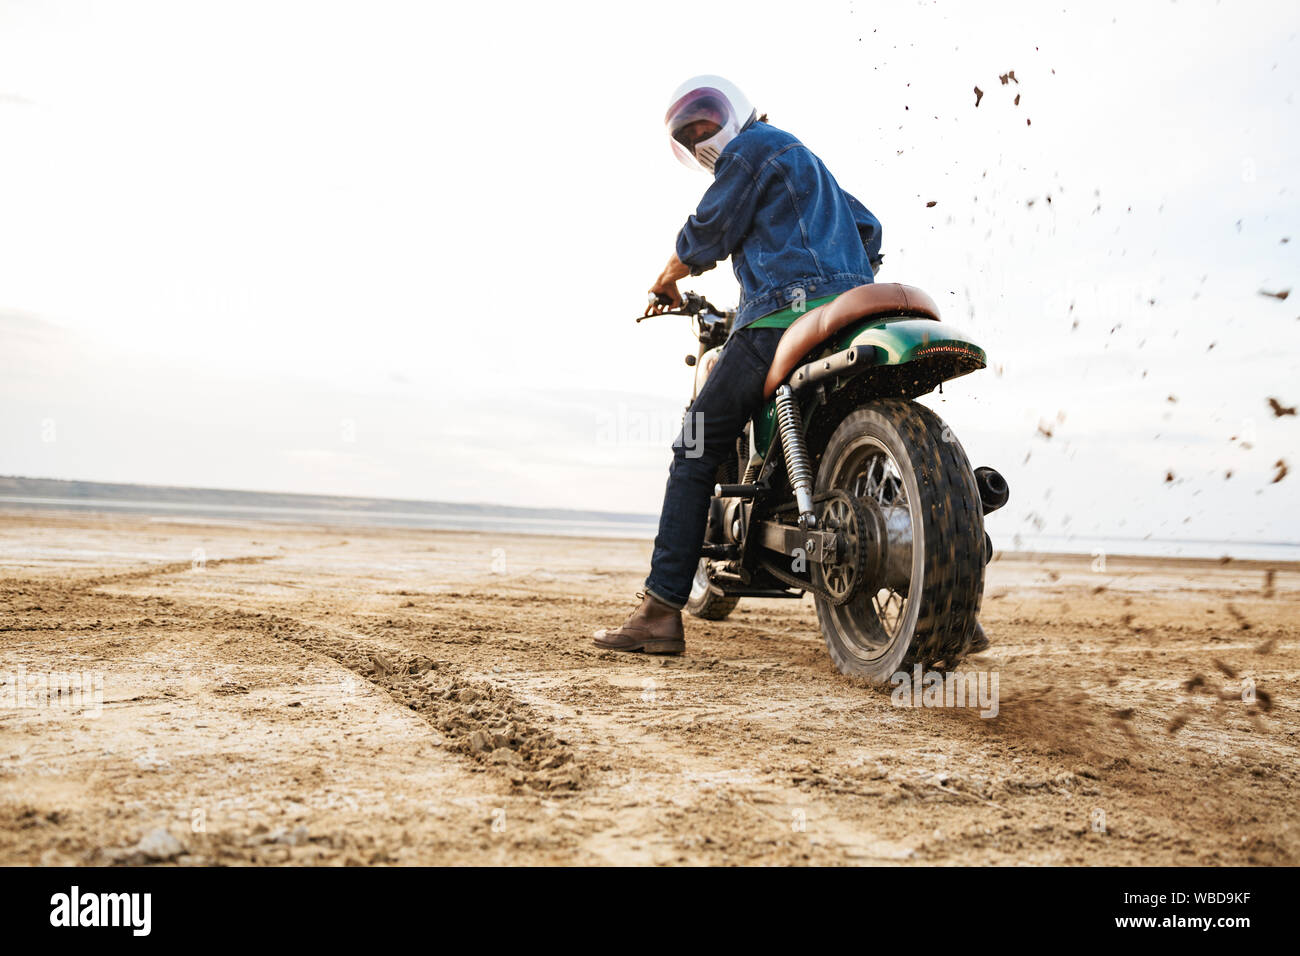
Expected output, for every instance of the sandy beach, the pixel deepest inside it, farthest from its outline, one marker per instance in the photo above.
(273, 693)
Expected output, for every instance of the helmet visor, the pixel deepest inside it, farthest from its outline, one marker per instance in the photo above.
(695, 117)
(699, 116)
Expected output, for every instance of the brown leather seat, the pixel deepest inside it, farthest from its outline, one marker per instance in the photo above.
(814, 328)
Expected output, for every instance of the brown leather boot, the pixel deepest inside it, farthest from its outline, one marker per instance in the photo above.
(654, 628)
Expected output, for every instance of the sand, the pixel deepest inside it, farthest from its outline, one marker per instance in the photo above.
(294, 694)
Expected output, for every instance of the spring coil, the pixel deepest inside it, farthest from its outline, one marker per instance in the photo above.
(790, 425)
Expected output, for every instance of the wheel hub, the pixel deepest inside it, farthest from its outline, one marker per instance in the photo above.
(861, 544)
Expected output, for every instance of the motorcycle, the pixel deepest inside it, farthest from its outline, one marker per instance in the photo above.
(845, 488)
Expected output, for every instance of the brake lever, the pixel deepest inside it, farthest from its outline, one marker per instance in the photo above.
(658, 315)
(661, 299)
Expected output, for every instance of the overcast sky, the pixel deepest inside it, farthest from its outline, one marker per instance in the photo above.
(396, 249)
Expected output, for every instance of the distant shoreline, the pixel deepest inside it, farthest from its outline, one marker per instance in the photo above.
(60, 489)
(268, 511)
(54, 495)
(1115, 560)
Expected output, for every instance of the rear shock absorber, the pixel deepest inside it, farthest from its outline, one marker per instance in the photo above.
(790, 424)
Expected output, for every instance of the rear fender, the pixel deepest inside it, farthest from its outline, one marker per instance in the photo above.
(900, 341)
(898, 358)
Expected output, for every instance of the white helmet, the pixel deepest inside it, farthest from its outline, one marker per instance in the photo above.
(715, 100)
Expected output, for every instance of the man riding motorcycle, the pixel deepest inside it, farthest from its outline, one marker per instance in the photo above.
(796, 240)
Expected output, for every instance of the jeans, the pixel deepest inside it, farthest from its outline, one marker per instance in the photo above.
(731, 395)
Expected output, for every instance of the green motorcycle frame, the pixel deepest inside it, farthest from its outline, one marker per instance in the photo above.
(846, 488)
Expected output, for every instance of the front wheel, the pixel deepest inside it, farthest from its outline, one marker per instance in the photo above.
(921, 604)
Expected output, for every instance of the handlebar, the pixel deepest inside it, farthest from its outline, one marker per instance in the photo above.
(692, 304)
(712, 325)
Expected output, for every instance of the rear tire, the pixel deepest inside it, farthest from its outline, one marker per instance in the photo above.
(902, 456)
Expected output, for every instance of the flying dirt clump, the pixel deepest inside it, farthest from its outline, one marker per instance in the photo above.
(1237, 616)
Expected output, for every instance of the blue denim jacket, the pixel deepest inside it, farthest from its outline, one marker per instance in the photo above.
(789, 228)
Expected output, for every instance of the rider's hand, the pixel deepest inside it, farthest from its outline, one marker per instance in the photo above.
(666, 284)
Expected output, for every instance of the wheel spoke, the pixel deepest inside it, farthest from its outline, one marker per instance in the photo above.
(871, 475)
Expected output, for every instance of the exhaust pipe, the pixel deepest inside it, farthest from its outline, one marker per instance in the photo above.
(992, 488)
